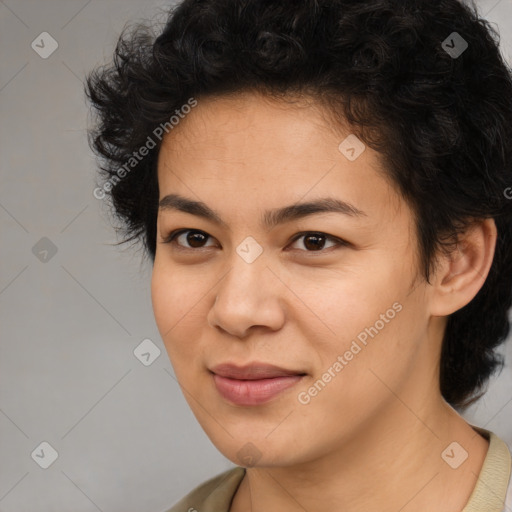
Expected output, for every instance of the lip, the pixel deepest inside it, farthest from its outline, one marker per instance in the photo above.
(253, 384)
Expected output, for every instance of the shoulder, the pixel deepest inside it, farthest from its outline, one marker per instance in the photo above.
(214, 495)
(508, 499)
(493, 489)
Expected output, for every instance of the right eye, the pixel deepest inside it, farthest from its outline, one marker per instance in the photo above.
(193, 237)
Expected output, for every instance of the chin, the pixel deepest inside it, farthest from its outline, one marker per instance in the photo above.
(255, 450)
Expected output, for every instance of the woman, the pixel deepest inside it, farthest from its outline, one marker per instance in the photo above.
(323, 188)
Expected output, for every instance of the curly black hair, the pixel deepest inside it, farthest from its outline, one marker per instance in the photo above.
(420, 81)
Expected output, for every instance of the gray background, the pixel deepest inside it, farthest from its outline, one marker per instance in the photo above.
(70, 321)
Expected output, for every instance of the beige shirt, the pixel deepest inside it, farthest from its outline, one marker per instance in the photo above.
(492, 492)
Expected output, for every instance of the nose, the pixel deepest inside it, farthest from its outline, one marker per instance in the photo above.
(249, 296)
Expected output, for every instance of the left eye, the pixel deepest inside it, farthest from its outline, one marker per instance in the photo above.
(313, 241)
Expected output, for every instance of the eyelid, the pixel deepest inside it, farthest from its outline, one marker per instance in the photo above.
(170, 238)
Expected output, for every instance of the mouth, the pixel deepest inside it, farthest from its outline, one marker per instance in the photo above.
(253, 384)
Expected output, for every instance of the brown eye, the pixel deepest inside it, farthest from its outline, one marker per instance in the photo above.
(188, 238)
(195, 238)
(315, 242)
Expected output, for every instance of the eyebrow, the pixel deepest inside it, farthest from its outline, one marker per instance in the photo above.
(271, 218)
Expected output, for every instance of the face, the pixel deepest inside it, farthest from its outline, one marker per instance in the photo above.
(327, 295)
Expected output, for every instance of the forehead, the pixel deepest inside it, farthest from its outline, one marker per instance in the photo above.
(230, 124)
(238, 146)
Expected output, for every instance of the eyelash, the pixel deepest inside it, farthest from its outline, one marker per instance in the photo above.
(171, 239)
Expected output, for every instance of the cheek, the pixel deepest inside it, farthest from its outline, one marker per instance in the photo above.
(350, 306)
(177, 300)
(375, 325)
(355, 377)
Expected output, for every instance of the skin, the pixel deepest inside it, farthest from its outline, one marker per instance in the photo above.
(372, 438)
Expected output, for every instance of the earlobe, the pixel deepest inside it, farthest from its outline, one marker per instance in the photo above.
(462, 273)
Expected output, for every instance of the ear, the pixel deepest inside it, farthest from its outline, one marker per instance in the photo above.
(461, 274)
